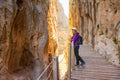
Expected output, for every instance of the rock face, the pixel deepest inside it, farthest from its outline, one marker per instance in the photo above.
(29, 32)
(98, 21)
(52, 41)
(63, 32)
(28, 37)
(24, 39)
(63, 28)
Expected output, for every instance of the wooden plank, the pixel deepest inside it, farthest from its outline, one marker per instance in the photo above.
(92, 78)
(96, 68)
(96, 73)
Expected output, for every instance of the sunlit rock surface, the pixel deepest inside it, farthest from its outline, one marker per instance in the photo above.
(33, 31)
(98, 21)
(63, 34)
(24, 39)
(29, 37)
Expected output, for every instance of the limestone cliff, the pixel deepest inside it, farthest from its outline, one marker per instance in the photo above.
(52, 41)
(29, 37)
(32, 31)
(24, 39)
(98, 21)
(63, 28)
(63, 33)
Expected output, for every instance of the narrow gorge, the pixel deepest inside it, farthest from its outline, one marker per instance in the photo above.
(33, 31)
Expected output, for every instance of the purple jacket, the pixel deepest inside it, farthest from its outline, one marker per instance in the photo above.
(74, 38)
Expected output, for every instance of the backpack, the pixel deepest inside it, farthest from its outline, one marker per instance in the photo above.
(80, 40)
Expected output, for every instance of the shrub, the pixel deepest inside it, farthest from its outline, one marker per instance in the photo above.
(98, 26)
(97, 4)
(115, 40)
(101, 33)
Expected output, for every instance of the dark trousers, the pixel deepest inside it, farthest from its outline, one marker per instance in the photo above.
(78, 58)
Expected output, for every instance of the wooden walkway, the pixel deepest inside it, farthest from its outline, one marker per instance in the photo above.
(96, 68)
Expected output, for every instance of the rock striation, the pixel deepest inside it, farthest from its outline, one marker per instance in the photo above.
(98, 21)
(27, 28)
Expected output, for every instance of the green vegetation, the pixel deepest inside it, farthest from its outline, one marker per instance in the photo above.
(101, 33)
(97, 4)
(60, 23)
(115, 40)
(118, 57)
(44, 1)
(106, 31)
(74, 2)
(98, 26)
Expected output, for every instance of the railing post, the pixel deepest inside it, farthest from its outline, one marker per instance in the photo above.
(55, 68)
(72, 57)
(69, 61)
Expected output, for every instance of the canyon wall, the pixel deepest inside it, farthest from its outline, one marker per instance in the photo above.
(25, 46)
(52, 41)
(63, 28)
(98, 21)
(63, 33)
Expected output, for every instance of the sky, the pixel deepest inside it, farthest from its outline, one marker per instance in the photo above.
(65, 4)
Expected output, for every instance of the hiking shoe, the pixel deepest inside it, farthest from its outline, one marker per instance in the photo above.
(82, 64)
(76, 64)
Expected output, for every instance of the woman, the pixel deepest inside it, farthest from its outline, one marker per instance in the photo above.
(76, 47)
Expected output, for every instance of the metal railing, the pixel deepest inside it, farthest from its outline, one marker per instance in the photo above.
(54, 70)
(44, 71)
(55, 67)
(71, 60)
